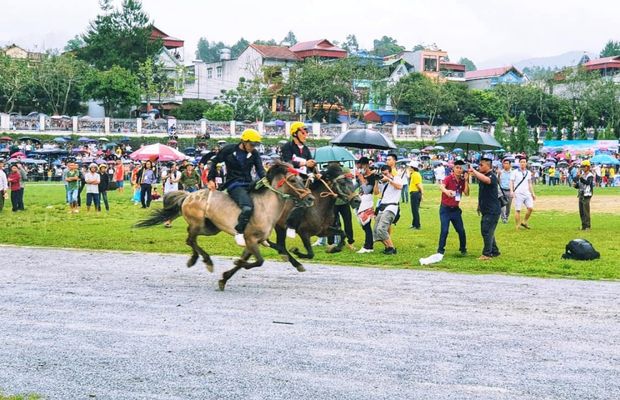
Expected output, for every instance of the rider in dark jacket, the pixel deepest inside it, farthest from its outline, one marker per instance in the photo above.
(298, 154)
(239, 159)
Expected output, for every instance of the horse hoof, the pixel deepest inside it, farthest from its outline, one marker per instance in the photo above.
(190, 263)
(301, 268)
(284, 257)
(222, 284)
(209, 267)
(333, 249)
(239, 263)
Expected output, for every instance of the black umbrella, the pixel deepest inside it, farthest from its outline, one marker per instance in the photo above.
(470, 139)
(364, 139)
(25, 138)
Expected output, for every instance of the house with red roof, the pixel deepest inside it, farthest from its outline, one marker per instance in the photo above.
(212, 79)
(606, 66)
(321, 48)
(488, 78)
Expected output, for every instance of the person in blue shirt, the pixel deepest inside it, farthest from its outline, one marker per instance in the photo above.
(239, 159)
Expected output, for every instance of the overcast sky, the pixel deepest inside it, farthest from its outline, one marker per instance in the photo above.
(490, 32)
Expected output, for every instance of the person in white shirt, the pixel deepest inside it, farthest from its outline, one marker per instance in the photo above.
(440, 173)
(171, 179)
(4, 185)
(92, 179)
(388, 208)
(522, 191)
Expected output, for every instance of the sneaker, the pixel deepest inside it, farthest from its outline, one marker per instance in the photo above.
(389, 250)
(484, 258)
(318, 242)
(364, 250)
(240, 240)
(291, 233)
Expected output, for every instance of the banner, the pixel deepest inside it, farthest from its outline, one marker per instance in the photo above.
(580, 146)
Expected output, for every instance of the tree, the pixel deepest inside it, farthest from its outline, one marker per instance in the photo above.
(418, 47)
(249, 100)
(191, 110)
(323, 86)
(119, 37)
(350, 44)
(219, 112)
(549, 134)
(116, 88)
(421, 95)
(209, 51)
(522, 138)
(238, 47)
(500, 133)
(146, 78)
(386, 46)
(74, 44)
(60, 80)
(612, 48)
(270, 42)
(469, 64)
(15, 79)
(290, 38)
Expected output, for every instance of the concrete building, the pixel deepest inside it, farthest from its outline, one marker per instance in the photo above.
(432, 63)
(211, 80)
(14, 51)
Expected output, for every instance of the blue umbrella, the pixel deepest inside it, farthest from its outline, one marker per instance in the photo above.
(332, 153)
(60, 140)
(604, 159)
(458, 150)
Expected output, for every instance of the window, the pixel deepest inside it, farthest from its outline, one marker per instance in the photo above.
(219, 72)
(430, 64)
(209, 73)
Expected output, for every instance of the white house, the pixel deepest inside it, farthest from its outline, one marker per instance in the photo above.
(211, 79)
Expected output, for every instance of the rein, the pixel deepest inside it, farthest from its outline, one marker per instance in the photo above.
(301, 193)
(331, 193)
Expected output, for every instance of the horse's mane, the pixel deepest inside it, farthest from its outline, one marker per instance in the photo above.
(332, 171)
(276, 169)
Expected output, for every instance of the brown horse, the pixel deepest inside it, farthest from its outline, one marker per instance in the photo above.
(319, 220)
(209, 212)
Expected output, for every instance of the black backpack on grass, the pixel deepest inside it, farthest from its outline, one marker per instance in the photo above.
(580, 249)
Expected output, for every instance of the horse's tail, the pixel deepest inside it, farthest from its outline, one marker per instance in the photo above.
(171, 210)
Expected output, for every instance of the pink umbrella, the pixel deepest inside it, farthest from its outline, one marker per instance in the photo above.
(18, 154)
(158, 152)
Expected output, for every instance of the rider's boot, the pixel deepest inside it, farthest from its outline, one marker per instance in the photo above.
(242, 222)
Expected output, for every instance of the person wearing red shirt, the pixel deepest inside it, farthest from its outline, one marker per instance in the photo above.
(452, 188)
(17, 190)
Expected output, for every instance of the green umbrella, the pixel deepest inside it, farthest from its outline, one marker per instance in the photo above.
(332, 153)
(470, 140)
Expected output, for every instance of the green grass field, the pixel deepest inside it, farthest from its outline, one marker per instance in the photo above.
(19, 397)
(534, 252)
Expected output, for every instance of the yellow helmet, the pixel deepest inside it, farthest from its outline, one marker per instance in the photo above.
(251, 135)
(585, 163)
(295, 127)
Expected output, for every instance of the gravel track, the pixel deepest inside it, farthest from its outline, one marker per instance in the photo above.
(108, 325)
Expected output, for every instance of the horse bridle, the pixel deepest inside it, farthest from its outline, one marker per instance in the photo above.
(330, 191)
(301, 193)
